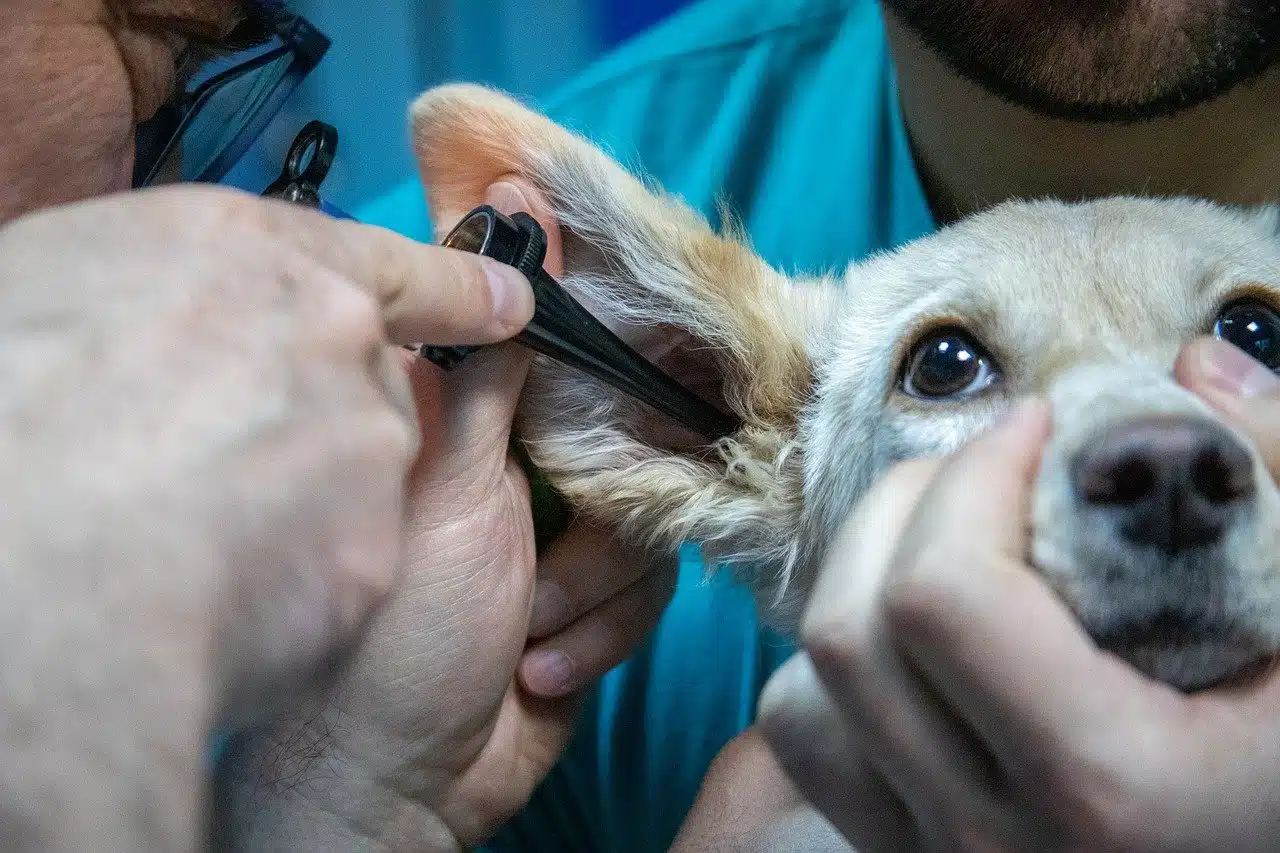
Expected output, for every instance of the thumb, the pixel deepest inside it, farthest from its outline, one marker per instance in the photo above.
(477, 406)
(1243, 389)
(981, 496)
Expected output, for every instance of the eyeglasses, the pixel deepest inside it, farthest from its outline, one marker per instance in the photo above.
(228, 103)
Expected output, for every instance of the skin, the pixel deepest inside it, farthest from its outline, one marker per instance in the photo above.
(75, 141)
(955, 705)
(1100, 60)
(939, 700)
(246, 635)
(79, 74)
(441, 754)
(1008, 151)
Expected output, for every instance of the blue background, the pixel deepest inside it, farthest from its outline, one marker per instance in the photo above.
(389, 51)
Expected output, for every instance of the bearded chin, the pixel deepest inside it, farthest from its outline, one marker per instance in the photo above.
(1100, 60)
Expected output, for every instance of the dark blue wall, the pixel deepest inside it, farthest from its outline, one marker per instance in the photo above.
(622, 19)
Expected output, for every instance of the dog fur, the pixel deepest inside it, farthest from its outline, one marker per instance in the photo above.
(1085, 303)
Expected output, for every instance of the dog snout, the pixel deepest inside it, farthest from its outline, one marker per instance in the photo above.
(1170, 482)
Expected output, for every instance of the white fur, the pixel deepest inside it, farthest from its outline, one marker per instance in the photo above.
(1085, 303)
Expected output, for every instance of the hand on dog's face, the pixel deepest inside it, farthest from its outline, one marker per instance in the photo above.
(1154, 521)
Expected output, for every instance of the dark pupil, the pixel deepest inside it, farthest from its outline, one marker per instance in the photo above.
(946, 366)
(1253, 328)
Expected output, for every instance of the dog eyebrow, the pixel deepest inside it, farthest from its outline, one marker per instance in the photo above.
(1210, 281)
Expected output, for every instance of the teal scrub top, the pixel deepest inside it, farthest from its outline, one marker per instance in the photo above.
(789, 111)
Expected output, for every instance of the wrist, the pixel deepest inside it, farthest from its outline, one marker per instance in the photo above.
(290, 793)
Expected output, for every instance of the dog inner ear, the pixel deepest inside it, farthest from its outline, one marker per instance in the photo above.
(702, 306)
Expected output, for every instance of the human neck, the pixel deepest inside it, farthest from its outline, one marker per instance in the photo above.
(974, 150)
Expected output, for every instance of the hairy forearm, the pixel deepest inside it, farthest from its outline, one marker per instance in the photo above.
(292, 793)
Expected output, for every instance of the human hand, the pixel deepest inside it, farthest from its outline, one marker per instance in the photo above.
(946, 699)
(210, 436)
(748, 804)
(1240, 388)
(456, 704)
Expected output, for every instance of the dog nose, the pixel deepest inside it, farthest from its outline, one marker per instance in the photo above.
(1171, 482)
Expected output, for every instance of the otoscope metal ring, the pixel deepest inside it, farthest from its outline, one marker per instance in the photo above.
(562, 329)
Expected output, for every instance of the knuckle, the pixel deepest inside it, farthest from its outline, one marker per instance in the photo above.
(463, 286)
(912, 598)
(397, 390)
(840, 648)
(793, 706)
(224, 209)
(400, 441)
(1090, 802)
(367, 559)
(365, 570)
(353, 317)
(390, 269)
(182, 212)
(362, 313)
(392, 439)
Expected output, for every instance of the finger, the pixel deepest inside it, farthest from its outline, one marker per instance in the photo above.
(579, 571)
(980, 501)
(528, 736)
(1074, 730)
(843, 591)
(473, 418)
(822, 757)
(1240, 387)
(747, 803)
(445, 296)
(598, 641)
(911, 740)
(985, 629)
(428, 294)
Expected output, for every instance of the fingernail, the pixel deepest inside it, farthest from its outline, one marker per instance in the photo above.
(1232, 370)
(512, 295)
(550, 609)
(547, 673)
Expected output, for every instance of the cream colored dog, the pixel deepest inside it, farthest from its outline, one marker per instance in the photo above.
(1156, 522)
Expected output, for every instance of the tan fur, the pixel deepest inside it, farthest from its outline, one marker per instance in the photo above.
(1086, 303)
(645, 259)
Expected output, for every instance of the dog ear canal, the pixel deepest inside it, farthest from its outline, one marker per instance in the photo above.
(634, 255)
(701, 305)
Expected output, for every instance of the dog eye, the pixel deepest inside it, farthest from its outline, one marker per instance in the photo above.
(1254, 328)
(947, 364)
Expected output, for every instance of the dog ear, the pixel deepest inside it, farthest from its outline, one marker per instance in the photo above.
(641, 260)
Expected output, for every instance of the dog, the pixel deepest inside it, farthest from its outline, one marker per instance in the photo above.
(1152, 518)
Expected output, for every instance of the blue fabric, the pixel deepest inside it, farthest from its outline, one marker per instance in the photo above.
(626, 18)
(789, 112)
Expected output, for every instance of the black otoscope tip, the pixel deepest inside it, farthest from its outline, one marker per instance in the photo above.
(565, 331)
